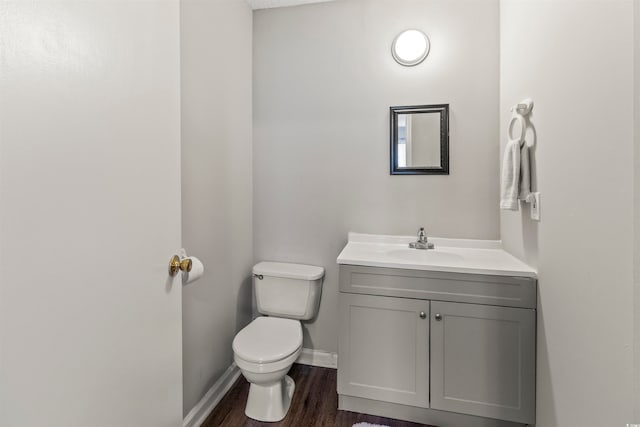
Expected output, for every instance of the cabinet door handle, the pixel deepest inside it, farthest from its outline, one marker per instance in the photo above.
(423, 315)
(438, 317)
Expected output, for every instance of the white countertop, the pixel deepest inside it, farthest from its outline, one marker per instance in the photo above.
(449, 255)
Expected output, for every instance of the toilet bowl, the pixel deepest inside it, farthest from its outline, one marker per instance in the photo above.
(266, 349)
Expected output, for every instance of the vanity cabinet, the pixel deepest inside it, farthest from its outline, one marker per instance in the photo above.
(414, 344)
(385, 344)
(483, 360)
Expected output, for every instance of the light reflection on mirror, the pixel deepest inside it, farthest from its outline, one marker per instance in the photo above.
(418, 140)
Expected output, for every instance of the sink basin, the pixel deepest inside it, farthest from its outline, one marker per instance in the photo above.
(427, 256)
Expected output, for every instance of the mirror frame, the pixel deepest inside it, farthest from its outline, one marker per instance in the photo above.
(443, 169)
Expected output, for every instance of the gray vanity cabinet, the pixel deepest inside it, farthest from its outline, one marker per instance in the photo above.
(384, 349)
(437, 348)
(483, 360)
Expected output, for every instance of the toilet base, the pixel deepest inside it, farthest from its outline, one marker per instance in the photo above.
(270, 403)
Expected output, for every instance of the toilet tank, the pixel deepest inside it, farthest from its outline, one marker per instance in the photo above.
(287, 290)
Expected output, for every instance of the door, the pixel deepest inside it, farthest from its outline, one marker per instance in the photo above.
(90, 322)
(483, 360)
(383, 350)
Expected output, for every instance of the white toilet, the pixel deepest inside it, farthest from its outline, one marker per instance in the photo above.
(266, 348)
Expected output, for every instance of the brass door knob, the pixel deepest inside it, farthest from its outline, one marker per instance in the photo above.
(176, 264)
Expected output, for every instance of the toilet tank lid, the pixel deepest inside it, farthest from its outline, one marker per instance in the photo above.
(288, 270)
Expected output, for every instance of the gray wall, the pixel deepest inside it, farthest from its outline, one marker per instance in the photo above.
(324, 80)
(216, 184)
(636, 263)
(581, 79)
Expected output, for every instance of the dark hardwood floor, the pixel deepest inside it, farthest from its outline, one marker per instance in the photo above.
(315, 404)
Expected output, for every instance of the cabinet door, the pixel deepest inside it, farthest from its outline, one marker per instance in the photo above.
(384, 349)
(483, 361)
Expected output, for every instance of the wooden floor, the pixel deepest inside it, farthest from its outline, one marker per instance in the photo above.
(315, 404)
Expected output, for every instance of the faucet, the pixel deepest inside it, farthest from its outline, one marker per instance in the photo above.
(422, 242)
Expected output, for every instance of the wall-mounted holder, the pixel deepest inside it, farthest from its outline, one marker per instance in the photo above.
(524, 107)
(520, 113)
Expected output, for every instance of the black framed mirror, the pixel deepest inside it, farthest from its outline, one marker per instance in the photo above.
(420, 140)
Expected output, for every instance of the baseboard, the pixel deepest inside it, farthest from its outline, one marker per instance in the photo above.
(417, 415)
(203, 408)
(319, 358)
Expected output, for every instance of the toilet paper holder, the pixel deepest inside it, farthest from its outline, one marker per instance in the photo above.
(176, 264)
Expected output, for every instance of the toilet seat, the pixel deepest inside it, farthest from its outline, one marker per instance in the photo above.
(268, 340)
(269, 367)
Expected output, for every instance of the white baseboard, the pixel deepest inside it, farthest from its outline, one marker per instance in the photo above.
(319, 358)
(203, 408)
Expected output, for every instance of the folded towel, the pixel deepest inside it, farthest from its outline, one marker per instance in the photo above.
(510, 182)
(524, 190)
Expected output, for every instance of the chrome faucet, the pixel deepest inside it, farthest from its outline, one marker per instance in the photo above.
(422, 242)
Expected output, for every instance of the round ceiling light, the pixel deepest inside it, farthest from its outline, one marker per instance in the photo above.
(410, 47)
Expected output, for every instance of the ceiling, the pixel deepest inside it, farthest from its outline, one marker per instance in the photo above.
(266, 4)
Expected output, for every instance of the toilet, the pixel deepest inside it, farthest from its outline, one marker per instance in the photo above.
(266, 348)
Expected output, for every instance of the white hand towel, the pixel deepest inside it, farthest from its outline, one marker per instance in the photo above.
(510, 182)
(524, 191)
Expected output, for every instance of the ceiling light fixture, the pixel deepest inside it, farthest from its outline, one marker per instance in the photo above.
(410, 47)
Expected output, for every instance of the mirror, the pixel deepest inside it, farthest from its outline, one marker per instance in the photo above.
(420, 140)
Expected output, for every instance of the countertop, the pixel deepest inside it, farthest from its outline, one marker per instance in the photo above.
(450, 255)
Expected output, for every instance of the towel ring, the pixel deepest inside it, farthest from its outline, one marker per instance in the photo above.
(523, 128)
